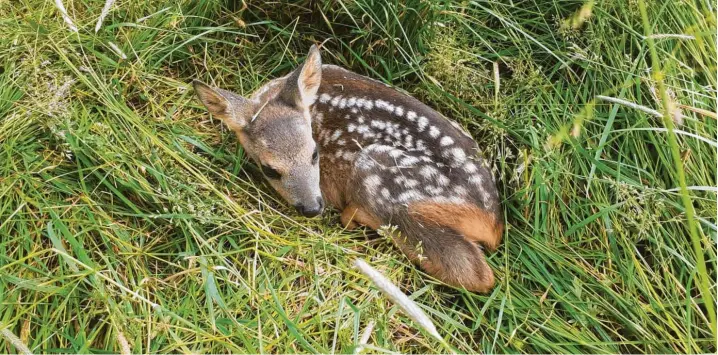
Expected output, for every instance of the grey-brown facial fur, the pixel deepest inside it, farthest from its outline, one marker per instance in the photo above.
(274, 128)
(281, 140)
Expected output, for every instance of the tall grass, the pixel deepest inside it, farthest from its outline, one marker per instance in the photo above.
(132, 222)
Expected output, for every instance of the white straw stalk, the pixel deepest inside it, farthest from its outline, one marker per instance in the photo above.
(399, 298)
(670, 35)
(117, 50)
(103, 14)
(365, 337)
(630, 104)
(14, 340)
(677, 116)
(61, 7)
(124, 345)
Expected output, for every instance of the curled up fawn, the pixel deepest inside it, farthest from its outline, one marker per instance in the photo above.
(323, 134)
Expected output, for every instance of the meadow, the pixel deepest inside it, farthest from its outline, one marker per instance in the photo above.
(132, 222)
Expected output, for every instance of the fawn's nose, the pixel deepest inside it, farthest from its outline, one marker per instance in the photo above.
(311, 210)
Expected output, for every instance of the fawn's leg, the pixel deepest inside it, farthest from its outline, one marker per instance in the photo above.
(473, 223)
(354, 215)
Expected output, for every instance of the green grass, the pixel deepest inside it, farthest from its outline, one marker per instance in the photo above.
(127, 214)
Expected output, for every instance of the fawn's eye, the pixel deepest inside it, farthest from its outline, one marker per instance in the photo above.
(271, 173)
(315, 156)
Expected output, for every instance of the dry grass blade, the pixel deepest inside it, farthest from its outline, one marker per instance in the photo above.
(14, 340)
(61, 7)
(103, 14)
(393, 292)
(124, 345)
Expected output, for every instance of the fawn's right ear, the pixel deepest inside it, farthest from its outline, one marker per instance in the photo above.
(231, 108)
(303, 84)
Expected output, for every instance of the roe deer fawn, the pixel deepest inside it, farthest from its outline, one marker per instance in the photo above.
(386, 159)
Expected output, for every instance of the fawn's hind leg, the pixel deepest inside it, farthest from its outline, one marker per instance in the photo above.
(354, 215)
(474, 223)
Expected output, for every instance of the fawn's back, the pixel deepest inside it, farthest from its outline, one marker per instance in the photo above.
(385, 158)
(404, 150)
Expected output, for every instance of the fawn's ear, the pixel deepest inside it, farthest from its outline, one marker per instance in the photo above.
(231, 108)
(303, 84)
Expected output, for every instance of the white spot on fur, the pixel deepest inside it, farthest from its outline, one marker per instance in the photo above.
(365, 163)
(456, 200)
(423, 121)
(409, 195)
(324, 98)
(351, 102)
(384, 105)
(486, 198)
(335, 100)
(428, 171)
(385, 193)
(342, 103)
(443, 180)
(408, 141)
(411, 183)
(434, 190)
(446, 140)
(381, 148)
(399, 111)
(368, 135)
(351, 127)
(372, 182)
(378, 124)
(457, 154)
(460, 190)
(470, 167)
(409, 161)
(336, 135)
(476, 180)
(411, 115)
(362, 129)
(420, 145)
(434, 132)
(349, 156)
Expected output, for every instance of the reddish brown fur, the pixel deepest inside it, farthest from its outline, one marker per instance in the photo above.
(470, 221)
(354, 215)
(477, 281)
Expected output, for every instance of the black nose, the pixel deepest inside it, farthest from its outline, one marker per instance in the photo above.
(311, 211)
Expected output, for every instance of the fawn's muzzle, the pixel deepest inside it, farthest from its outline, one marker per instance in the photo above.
(311, 210)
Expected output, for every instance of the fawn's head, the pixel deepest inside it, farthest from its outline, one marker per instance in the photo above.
(274, 128)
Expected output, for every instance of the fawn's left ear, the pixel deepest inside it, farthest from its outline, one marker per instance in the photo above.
(303, 84)
(231, 108)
